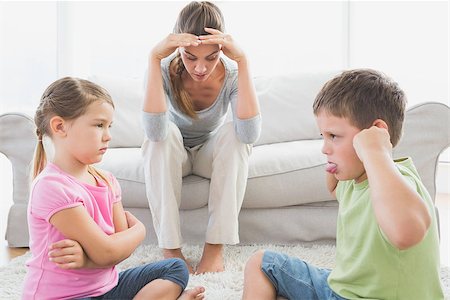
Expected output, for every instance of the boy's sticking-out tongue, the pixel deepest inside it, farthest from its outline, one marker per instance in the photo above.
(331, 168)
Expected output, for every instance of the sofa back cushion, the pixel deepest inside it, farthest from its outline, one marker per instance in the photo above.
(286, 107)
(128, 96)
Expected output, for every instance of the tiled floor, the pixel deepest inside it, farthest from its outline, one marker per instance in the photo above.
(6, 253)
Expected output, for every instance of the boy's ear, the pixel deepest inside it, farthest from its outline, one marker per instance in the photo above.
(58, 126)
(380, 124)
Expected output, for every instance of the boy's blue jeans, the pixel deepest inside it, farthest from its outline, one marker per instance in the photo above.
(131, 281)
(295, 279)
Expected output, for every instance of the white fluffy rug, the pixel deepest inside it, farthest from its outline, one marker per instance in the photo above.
(225, 285)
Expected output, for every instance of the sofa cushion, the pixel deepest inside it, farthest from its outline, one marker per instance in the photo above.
(128, 96)
(282, 167)
(268, 160)
(286, 174)
(286, 106)
(128, 167)
(293, 93)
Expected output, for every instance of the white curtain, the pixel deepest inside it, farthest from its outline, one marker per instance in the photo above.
(42, 41)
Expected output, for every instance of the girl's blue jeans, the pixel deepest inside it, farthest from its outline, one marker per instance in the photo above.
(131, 281)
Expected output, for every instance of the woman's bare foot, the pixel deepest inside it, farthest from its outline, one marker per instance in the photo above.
(212, 259)
(176, 253)
(195, 293)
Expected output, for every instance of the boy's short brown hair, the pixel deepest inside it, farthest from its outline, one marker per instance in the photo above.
(362, 96)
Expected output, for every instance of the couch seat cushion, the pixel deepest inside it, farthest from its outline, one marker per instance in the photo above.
(280, 175)
(127, 165)
(286, 174)
(272, 159)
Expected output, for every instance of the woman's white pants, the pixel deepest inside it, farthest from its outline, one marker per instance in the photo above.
(223, 159)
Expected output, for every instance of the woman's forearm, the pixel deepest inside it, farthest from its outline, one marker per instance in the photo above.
(154, 99)
(247, 103)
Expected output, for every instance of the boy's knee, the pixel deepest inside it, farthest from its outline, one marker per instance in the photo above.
(255, 261)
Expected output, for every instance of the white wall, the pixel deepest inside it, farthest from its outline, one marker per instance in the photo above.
(41, 41)
(408, 40)
(290, 37)
(119, 43)
(27, 52)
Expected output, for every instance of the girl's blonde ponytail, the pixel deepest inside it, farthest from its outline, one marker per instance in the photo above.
(40, 159)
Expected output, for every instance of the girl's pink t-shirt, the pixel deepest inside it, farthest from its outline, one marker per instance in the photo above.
(52, 191)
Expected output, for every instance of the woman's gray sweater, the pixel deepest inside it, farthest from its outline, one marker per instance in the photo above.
(197, 131)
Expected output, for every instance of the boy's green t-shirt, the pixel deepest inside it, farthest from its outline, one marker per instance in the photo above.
(368, 266)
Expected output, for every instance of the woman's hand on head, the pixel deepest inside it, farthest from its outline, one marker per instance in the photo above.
(229, 46)
(174, 40)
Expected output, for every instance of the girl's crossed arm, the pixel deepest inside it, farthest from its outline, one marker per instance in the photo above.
(102, 250)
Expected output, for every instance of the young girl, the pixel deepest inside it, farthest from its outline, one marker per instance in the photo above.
(190, 87)
(78, 228)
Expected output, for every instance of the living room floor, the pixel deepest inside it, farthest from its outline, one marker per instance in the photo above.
(6, 253)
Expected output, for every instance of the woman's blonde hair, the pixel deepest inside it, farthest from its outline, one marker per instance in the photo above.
(193, 19)
(67, 98)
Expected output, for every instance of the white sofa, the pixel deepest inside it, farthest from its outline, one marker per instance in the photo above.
(286, 200)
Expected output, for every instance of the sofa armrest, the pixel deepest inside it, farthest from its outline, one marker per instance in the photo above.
(17, 143)
(425, 136)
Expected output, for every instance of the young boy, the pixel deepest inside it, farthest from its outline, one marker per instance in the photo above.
(387, 244)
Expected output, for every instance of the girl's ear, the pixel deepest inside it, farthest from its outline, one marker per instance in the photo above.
(380, 124)
(58, 126)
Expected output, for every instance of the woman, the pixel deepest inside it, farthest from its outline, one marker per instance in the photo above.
(190, 86)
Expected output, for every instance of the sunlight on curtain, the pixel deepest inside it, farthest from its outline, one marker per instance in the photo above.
(27, 53)
(41, 41)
